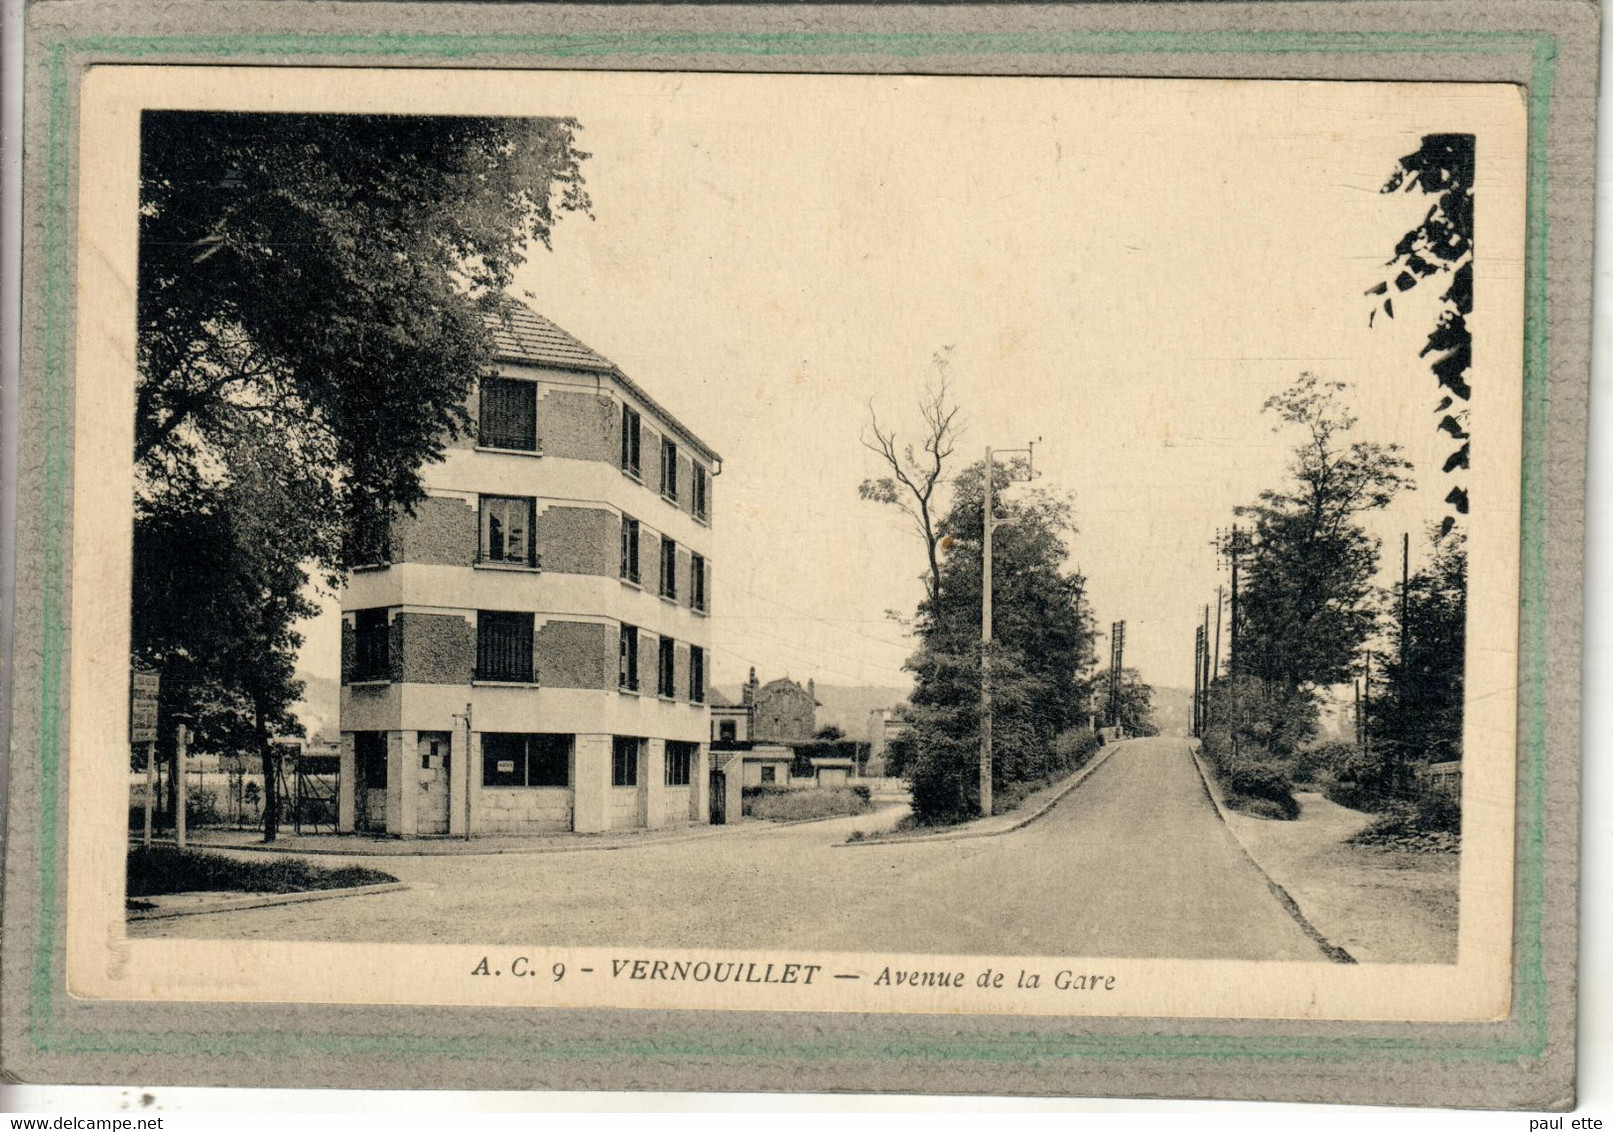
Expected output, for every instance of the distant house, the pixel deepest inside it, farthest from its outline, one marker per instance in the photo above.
(758, 735)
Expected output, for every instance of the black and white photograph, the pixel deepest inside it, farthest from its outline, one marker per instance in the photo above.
(800, 541)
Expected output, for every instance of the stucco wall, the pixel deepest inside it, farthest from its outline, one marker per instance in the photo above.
(574, 425)
(433, 648)
(527, 809)
(680, 672)
(576, 654)
(442, 532)
(580, 540)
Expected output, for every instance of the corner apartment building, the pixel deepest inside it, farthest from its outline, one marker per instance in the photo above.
(529, 650)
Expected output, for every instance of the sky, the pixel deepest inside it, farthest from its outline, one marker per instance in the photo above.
(1122, 271)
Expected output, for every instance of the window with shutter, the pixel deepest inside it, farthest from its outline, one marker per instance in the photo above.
(509, 414)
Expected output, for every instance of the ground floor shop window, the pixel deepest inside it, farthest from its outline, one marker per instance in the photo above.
(679, 758)
(624, 761)
(514, 759)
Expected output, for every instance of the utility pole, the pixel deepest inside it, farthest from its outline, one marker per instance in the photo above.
(1366, 714)
(988, 524)
(1215, 655)
(1198, 673)
(1204, 681)
(181, 743)
(1117, 657)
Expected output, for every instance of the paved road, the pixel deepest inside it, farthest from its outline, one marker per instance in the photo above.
(1133, 863)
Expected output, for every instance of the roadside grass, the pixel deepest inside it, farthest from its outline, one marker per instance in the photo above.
(785, 804)
(163, 870)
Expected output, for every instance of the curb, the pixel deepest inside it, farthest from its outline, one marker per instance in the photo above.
(1074, 780)
(267, 901)
(508, 850)
(1332, 950)
(695, 833)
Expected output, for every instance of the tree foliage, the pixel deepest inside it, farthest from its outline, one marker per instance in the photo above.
(1042, 645)
(1442, 244)
(1417, 708)
(1136, 702)
(1306, 603)
(329, 275)
(312, 296)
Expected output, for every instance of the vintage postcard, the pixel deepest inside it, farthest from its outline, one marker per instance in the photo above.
(932, 544)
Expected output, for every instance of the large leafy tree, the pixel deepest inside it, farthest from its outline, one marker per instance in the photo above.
(312, 298)
(1441, 245)
(1042, 644)
(330, 274)
(1306, 605)
(1417, 709)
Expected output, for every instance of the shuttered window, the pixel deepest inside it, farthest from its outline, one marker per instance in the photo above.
(509, 414)
(372, 645)
(504, 646)
(666, 680)
(627, 659)
(630, 549)
(630, 442)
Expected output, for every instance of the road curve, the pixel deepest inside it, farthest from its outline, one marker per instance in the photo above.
(1135, 862)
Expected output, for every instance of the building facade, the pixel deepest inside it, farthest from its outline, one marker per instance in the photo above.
(528, 651)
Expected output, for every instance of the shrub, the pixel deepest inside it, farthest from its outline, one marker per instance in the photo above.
(164, 869)
(1073, 748)
(1318, 763)
(1359, 782)
(201, 807)
(770, 803)
(1261, 780)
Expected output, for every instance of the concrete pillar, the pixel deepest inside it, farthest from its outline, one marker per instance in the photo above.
(348, 771)
(462, 753)
(700, 785)
(652, 781)
(407, 791)
(734, 787)
(590, 783)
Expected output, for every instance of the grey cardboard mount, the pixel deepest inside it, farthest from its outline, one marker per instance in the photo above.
(1524, 1062)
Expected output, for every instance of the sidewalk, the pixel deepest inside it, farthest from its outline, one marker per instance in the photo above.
(380, 845)
(1031, 808)
(1379, 905)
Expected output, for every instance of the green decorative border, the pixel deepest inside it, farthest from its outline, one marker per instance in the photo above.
(1523, 1038)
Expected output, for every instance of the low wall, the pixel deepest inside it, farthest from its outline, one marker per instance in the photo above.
(524, 810)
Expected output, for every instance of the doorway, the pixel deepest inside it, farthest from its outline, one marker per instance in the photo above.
(719, 798)
(431, 812)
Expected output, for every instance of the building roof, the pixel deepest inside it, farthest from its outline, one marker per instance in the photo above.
(522, 335)
(714, 698)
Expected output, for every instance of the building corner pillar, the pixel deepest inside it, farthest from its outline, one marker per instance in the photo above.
(590, 783)
(347, 767)
(652, 782)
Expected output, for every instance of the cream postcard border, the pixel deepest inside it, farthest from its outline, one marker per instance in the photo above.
(103, 963)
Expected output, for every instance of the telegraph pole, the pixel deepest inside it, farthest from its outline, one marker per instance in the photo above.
(1204, 681)
(988, 524)
(1198, 673)
(1117, 656)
